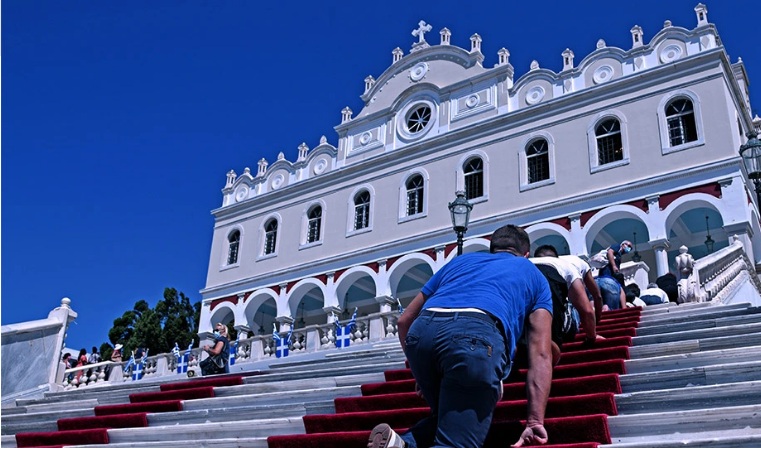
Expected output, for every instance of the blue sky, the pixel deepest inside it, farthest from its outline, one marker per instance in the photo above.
(120, 119)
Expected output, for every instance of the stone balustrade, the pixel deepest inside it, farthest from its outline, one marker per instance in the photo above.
(718, 276)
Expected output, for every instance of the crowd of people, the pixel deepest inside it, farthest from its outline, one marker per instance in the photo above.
(481, 314)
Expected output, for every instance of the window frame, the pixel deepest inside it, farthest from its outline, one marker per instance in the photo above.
(351, 230)
(460, 183)
(224, 265)
(306, 222)
(403, 116)
(663, 127)
(594, 160)
(523, 161)
(263, 236)
(403, 196)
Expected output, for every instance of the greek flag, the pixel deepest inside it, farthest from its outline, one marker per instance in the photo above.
(137, 373)
(182, 360)
(399, 302)
(130, 362)
(343, 333)
(233, 351)
(282, 345)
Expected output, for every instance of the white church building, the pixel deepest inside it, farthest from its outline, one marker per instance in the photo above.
(639, 144)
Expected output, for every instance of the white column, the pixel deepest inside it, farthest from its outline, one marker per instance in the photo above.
(743, 233)
(578, 242)
(660, 246)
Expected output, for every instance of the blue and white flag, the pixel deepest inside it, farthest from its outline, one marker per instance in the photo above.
(137, 373)
(401, 309)
(184, 359)
(176, 351)
(233, 352)
(343, 333)
(130, 362)
(282, 345)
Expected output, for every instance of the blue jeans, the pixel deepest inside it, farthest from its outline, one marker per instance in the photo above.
(458, 362)
(611, 292)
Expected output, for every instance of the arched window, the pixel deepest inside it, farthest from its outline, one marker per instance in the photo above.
(473, 171)
(680, 119)
(361, 210)
(314, 224)
(232, 249)
(414, 195)
(537, 161)
(610, 146)
(270, 237)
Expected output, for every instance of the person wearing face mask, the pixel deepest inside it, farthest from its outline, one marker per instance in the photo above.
(610, 280)
(221, 346)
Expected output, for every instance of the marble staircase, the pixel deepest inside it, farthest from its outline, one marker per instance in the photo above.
(693, 379)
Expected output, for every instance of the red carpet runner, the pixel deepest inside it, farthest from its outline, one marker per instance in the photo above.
(581, 398)
(94, 430)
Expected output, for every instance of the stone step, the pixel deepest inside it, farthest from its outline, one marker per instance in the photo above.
(693, 359)
(40, 422)
(255, 442)
(210, 431)
(699, 424)
(354, 359)
(742, 440)
(370, 367)
(700, 322)
(690, 398)
(699, 329)
(8, 441)
(704, 344)
(681, 314)
(282, 398)
(748, 370)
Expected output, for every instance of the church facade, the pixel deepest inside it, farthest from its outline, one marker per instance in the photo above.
(639, 144)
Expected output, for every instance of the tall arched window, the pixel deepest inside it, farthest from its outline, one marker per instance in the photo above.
(610, 146)
(414, 195)
(680, 119)
(473, 171)
(232, 249)
(314, 224)
(361, 210)
(537, 161)
(270, 237)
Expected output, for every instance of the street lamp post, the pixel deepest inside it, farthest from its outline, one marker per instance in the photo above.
(751, 155)
(460, 210)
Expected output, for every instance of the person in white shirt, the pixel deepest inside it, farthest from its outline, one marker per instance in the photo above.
(653, 295)
(575, 292)
(586, 276)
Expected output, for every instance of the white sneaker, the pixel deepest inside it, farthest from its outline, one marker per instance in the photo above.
(383, 436)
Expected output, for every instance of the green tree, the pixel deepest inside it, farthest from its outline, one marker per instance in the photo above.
(173, 320)
(123, 328)
(177, 318)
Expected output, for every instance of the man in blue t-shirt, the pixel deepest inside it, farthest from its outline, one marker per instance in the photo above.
(460, 334)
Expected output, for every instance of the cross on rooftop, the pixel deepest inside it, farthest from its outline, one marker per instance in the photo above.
(420, 32)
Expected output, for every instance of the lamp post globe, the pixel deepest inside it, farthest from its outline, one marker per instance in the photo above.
(751, 155)
(460, 210)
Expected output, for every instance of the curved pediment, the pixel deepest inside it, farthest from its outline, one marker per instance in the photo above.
(439, 65)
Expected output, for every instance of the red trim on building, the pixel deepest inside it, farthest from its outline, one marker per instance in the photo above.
(431, 253)
(392, 260)
(323, 278)
(216, 302)
(586, 216)
(449, 248)
(290, 285)
(276, 289)
(337, 274)
(712, 189)
(563, 222)
(374, 266)
(641, 204)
